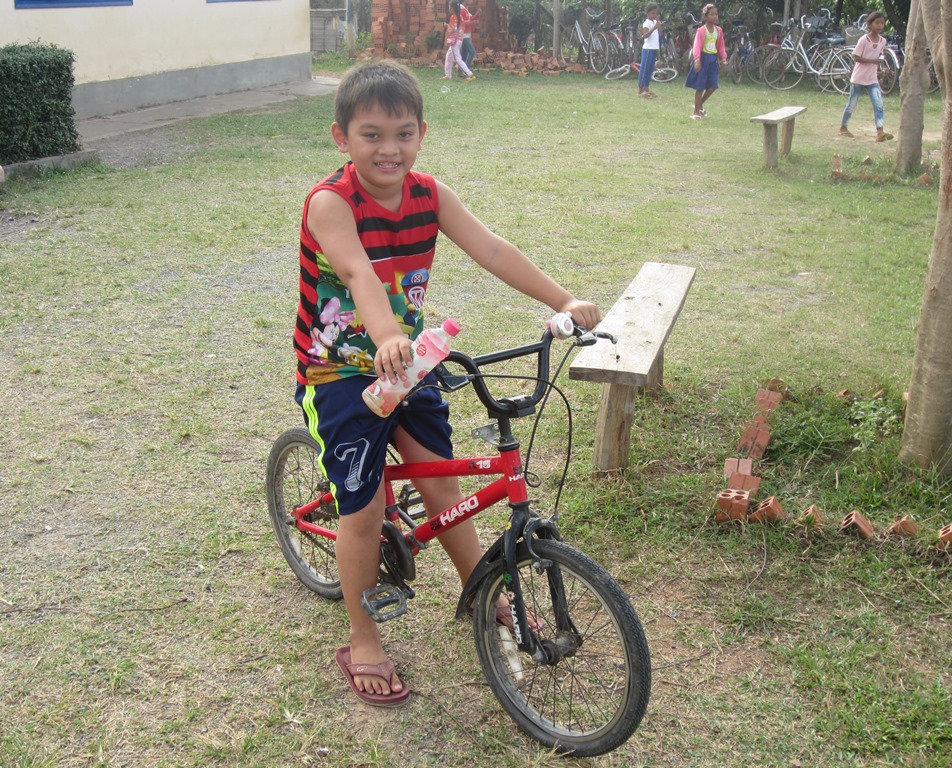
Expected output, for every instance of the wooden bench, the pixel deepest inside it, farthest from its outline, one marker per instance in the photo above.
(642, 320)
(785, 116)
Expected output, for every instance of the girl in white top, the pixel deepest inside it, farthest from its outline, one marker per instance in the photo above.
(651, 31)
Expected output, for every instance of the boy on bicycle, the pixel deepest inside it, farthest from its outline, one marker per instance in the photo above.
(367, 242)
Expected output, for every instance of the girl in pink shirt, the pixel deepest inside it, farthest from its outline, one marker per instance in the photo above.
(865, 77)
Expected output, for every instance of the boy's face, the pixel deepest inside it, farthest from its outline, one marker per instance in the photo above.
(654, 14)
(383, 147)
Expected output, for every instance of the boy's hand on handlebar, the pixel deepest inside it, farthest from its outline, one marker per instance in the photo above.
(392, 358)
(583, 313)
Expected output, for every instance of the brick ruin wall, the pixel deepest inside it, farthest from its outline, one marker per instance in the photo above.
(409, 28)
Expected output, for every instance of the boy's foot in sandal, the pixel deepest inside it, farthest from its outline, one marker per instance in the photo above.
(384, 671)
(884, 137)
(696, 116)
(845, 133)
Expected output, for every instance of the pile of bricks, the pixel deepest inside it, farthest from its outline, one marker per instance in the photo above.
(416, 29)
(737, 502)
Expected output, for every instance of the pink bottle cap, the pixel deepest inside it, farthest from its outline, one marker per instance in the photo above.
(451, 326)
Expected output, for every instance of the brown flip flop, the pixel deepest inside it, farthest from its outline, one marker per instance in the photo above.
(385, 670)
(884, 137)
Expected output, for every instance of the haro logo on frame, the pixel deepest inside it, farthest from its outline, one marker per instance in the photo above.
(459, 510)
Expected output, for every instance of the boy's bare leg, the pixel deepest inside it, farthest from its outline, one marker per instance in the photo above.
(439, 494)
(358, 561)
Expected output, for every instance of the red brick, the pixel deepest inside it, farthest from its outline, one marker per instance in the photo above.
(811, 517)
(732, 505)
(767, 400)
(754, 441)
(732, 466)
(743, 482)
(858, 525)
(945, 537)
(905, 526)
(769, 510)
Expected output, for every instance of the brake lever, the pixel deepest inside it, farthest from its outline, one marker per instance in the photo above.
(588, 338)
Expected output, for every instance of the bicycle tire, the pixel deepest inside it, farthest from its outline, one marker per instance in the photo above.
(294, 477)
(842, 71)
(754, 68)
(735, 67)
(598, 53)
(781, 71)
(888, 71)
(593, 698)
(618, 72)
(571, 47)
(664, 74)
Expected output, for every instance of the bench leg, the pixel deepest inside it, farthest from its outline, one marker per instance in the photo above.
(770, 146)
(787, 137)
(613, 429)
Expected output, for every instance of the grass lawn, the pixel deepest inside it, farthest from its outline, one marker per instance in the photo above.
(147, 617)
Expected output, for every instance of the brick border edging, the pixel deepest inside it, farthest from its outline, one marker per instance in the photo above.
(732, 504)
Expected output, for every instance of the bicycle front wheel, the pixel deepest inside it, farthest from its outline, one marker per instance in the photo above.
(294, 478)
(598, 53)
(618, 72)
(591, 696)
(888, 71)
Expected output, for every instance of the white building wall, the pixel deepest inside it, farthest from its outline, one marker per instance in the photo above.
(193, 44)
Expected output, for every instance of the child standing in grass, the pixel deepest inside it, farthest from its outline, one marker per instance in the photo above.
(367, 243)
(865, 77)
(454, 45)
(651, 35)
(709, 54)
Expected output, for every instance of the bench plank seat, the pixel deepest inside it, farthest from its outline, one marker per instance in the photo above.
(642, 320)
(785, 116)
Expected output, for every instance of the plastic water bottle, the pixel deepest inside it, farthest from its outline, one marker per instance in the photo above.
(428, 350)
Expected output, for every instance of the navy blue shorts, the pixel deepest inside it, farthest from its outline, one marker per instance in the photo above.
(354, 439)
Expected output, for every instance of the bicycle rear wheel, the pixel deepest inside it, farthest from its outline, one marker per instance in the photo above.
(754, 68)
(591, 697)
(664, 74)
(782, 70)
(571, 47)
(294, 478)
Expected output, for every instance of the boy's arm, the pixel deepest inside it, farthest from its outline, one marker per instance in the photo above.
(502, 259)
(332, 224)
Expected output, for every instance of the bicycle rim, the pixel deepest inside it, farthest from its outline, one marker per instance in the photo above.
(664, 74)
(593, 698)
(618, 73)
(781, 70)
(294, 478)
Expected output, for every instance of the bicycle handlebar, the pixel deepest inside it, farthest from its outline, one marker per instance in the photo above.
(514, 406)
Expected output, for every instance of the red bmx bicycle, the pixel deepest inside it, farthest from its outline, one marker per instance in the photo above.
(577, 677)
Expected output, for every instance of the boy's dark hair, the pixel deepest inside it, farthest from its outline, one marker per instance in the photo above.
(652, 7)
(873, 16)
(386, 84)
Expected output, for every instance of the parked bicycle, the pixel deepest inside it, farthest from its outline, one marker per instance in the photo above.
(573, 668)
(588, 47)
(628, 56)
(825, 58)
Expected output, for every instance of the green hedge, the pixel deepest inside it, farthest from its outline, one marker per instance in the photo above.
(36, 114)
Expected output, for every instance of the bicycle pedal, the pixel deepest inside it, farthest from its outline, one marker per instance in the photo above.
(384, 602)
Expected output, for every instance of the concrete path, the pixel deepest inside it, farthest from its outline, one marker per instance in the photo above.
(96, 129)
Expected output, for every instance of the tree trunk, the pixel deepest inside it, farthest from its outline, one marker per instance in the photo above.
(913, 88)
(927, 435)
